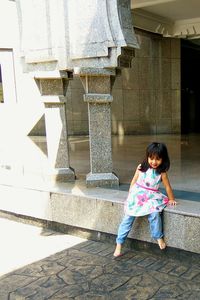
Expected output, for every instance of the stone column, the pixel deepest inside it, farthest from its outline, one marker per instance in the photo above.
(97, 85)
(53, 87)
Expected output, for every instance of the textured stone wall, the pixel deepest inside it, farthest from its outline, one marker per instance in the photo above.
(146, 98)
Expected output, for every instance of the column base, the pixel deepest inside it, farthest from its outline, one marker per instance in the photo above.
(61, 175)
(101, 180)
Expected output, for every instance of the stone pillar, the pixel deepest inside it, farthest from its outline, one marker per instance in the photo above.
(53, 87)
(97, 85)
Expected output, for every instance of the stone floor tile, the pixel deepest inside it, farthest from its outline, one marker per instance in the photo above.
(95, 260)
(178, 271)
(168, 267)
(95, 247)
(122, 268)
(94, 296)
(83, 245)
(72, 257)
(43, 288)
(138, 287)
(169, 291)
(71, 291)
(42, 268)
(128, 255)
(165, 278)
(191, 273)
(197, 279)
(190, 295)
(136, 259)
(81, 273)
(148, 261)
(72, 277)
(108, 252)
(108, 283)
(157, 265)
(12, 282)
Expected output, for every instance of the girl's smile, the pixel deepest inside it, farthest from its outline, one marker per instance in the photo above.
(154, 161)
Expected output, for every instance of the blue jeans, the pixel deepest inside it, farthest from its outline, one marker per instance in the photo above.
(155, 223)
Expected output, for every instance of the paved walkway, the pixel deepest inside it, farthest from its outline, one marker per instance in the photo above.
(68, 267)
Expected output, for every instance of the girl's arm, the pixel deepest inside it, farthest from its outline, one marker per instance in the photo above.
(168, 188)
(135, 177)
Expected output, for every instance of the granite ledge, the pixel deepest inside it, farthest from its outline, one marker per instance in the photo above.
(185, 207)
(79, 188)
(67, 203)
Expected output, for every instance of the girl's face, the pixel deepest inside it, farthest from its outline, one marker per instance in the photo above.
(154, 161)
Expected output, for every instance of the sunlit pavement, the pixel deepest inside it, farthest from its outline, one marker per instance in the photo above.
(36, 263)
(22, 244)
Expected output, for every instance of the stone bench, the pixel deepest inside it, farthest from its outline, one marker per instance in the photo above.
(99, 210)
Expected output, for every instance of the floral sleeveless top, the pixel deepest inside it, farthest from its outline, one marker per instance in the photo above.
(144, 197)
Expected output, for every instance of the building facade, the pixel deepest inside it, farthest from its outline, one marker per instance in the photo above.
(114, 71)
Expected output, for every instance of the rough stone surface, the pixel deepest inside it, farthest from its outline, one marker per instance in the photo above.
(100, 138)
(88, 271)
(53, 38)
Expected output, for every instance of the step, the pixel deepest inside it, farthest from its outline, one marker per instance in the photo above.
(99, 210)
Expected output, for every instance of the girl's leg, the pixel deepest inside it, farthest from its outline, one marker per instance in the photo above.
(123, 232)
(156, 229)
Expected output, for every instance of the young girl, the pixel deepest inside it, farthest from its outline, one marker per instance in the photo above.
(144, 198)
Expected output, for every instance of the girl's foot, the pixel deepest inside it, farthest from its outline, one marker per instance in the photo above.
(161, 244)
(118, 249)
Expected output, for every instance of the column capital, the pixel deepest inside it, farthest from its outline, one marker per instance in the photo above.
(98, 98)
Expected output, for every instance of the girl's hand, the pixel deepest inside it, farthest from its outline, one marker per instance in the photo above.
(172, 203)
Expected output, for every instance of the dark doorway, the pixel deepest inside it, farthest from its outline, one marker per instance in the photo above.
(190, 87)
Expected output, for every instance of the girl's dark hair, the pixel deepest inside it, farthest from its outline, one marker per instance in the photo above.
(159, 150)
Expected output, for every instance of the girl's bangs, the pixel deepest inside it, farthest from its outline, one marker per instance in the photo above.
(154, 153)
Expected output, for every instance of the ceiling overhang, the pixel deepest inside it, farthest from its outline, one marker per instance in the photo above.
(170, 18)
